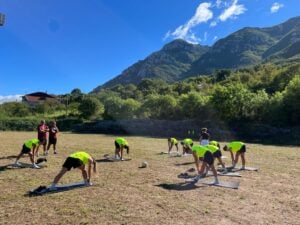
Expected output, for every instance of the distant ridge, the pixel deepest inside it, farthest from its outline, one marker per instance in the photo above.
(179, 59)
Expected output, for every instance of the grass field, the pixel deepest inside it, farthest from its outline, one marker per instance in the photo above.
(125, 194)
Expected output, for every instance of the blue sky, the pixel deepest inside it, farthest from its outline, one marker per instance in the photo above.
(59, 45)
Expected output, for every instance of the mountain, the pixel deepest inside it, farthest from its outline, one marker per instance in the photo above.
(168, 64)
(178, 59)
(250, 46)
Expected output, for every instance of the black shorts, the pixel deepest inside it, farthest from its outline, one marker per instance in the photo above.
(217, 154)
(43, 141)
(243, 149)
(25, 149)
(52, 141)
(208, 158)
(117, 145)
(72, 162)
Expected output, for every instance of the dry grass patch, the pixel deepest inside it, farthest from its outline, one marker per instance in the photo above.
(124, 194)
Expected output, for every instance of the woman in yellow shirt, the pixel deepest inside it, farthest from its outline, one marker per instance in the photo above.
(77, 160)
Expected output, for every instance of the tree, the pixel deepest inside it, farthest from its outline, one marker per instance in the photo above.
(291, 101)
(90, 107)
(232, 101)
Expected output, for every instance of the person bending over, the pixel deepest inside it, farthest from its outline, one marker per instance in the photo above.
(120, 144)
(239, 148)
(202, 152)
(217, 154)
(186, 145)
(78, 160)
(171, 143)
(29, 148)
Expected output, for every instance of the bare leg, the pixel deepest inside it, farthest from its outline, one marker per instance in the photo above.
(31, 156)
(212, 167)
(221, 162)
(59, 175)
(243, 159)
(84, 173)
(237, 155)
(19, 156)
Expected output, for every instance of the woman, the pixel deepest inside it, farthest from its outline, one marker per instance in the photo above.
(120, 144)
(77, 160)
(171, 143)
(186, 143)
(53, 130)
(29, 148)
(207, 157)
(204, 137)
(239, 148)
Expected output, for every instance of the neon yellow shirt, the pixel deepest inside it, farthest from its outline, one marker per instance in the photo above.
(215, 143)
(212, 148)
(83, 156)
(121, 141)
(187, 141)
(235, 146)
(31, 142)
(200, 150)
(174, 141)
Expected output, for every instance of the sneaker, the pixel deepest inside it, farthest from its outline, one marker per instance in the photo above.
(196, 179)
(35, 166)
(55, 152)
(18, 164)
(243, 167)
(216, 181)
(117, 157)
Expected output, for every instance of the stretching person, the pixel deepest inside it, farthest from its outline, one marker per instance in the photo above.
(215, 150)
(28, 148)
(239, 148)
(120, 144)
(202, 152)
(171, 143)
(186, 144)
(77, 160)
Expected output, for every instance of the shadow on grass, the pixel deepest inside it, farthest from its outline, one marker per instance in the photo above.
(104, 161)
(182, 186)
(10, 167)
(184, 164)
(8, 157)
(35, 193)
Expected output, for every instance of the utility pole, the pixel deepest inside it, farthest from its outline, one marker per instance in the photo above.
(2, 19)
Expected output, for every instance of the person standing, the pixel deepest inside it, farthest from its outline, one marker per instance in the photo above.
(204, 137)
(42, 136)
(53, 130)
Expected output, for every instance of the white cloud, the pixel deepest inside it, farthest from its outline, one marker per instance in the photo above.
(218, 3)
(213, 24)
(215, 38)
(10, 98)
(202, 15)
(275, 7)
(232, 11)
